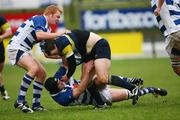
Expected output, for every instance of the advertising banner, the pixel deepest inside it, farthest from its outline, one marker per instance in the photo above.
(117, 19)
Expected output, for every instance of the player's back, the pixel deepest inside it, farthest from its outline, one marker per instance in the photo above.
(80, 38)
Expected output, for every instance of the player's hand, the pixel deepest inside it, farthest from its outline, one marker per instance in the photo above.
(64, 78)
(157, 11)
(66, 31)
(62, 32)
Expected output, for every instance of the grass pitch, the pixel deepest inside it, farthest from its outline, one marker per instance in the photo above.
(155, 72)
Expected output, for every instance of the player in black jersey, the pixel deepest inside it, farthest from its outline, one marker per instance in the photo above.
(5, 32)
(95, 54)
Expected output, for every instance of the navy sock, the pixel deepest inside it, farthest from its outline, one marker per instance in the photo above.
(117, 81)
(60, 72)
(2, 89)
(95, 94)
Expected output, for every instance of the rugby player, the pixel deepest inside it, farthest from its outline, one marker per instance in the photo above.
(168, 17)
(5, 32)
(34, 30)
(63, 92)
(95, 55)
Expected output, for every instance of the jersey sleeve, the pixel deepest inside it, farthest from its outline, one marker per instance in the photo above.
(39, 23)
(64, 97)
(66, 50)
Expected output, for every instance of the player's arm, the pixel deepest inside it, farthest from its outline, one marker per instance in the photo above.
(52, 56)
(158, 9)
(71, 61)
(7, 32)
(86, 77)
(41, 35)
(41, 29)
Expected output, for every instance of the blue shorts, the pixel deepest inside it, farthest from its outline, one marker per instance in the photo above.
(100, 50)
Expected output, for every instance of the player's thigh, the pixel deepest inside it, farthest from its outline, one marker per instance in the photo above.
(27, 62)
(102, 67)
(41, 70)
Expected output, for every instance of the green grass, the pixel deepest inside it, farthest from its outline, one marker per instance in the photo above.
(156, 72)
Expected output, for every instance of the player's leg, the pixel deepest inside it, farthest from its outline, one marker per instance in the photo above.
(4, 93)
(134, 81)
(154, 90)
(173, 49)
(27, 62)
(150, 90)
(175, 62)
(118, 81)
(102, 70)
(38, 87)
(119, 94)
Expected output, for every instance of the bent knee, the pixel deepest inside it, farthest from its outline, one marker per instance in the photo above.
(33, 70)
(41, 74)
(103, 79)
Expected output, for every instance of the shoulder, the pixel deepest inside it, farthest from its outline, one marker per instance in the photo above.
(39, 19)
(62, 42)
(65, 97)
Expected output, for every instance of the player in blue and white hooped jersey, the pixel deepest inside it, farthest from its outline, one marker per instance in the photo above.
(168, 17)
(62, 92)
(32, 31)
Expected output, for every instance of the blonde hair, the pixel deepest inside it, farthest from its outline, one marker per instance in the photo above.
(52, 9)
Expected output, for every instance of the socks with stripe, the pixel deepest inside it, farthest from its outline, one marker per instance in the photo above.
(147, 90)
(24, 87)
(37, 91)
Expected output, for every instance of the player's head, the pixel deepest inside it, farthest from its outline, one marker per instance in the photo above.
(53, 14)
(50, 47)
(51, 85)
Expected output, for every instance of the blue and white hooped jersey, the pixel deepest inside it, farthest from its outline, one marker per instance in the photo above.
(169, 19)
(65, 96)
(25, 37)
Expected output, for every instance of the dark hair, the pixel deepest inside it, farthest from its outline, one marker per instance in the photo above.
(48, 46)
(51, 85)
